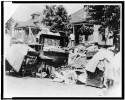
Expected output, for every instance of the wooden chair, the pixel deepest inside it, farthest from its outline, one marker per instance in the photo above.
(30, 63)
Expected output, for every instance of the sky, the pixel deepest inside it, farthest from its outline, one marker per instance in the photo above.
(24, 11)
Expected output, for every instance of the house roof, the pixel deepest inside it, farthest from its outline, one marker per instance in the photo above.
(38, 19)
(28, 23)
(79, 16)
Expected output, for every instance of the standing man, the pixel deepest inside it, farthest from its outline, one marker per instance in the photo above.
(72, 38)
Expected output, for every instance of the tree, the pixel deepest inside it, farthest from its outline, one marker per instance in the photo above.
(56, 18)
(9, 25)
(106, 16)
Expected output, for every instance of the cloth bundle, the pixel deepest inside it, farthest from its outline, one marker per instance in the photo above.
(16, 54)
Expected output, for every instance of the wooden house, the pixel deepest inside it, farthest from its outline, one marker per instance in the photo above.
(78, 20)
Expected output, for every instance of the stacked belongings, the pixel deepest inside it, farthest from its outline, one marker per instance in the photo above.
(114, 74)
(99, 71)
(98, 67)
(70, 75)
(21, 58)
(76, 65)
(67, 76)
(79, 64)
(77, 57)
(78, 61)
(91, 51)
(115, 68)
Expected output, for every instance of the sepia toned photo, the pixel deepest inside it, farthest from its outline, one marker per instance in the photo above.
(62, 50)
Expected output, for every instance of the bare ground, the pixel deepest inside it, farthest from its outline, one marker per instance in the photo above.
(37, 87)
(45, 87)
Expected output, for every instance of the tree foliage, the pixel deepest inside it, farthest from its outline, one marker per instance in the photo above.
(105, 15)
(84, 30)
(9, 25)
(56, 18)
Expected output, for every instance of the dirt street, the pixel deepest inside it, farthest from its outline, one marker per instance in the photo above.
(45, 87)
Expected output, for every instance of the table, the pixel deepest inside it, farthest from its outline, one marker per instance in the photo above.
(45, 59)
(35, 46)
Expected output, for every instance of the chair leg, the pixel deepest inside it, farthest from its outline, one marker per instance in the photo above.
(50, 71)
(33, 72)
(41, 68)
(9, 71)
(23, 72)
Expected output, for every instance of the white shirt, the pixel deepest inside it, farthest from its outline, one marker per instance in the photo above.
(72, 37)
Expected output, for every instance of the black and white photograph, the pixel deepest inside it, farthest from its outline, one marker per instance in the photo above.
(62, 49)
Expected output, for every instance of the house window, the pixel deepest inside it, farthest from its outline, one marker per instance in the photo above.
(103, 37)
(86, 37)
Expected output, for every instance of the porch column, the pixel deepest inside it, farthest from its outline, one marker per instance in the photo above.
(74, 32)
(96, 34)
(83, 36)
